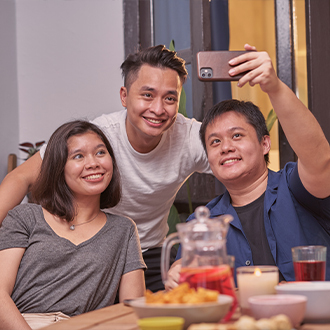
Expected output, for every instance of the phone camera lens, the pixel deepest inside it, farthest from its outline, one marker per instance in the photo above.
(209, 75)
(203, 74)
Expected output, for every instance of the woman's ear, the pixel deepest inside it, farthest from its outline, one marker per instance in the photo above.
(123, 96)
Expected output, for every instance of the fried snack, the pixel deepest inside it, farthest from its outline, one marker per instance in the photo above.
(282, 322)
(266, 324)
(245, 323)
(211, 326)
(182, 294)
(278, 322)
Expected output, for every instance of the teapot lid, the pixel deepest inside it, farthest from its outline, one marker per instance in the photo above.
(203, 223)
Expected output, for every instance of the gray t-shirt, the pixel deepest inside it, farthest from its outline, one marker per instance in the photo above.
(150, 181)
(57, 275)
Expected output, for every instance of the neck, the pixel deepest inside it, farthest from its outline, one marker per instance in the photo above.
(85, 215)
(86, 208)
(141, 143)
(143, 146)
(245, 194)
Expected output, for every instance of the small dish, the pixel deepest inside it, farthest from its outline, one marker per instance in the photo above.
(318, 298)
(161, 323)
(266, 306)
(210, 312)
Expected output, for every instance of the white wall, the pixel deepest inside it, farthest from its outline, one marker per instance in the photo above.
(9, 135)
(68, 63)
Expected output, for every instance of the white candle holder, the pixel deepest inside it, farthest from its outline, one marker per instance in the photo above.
(255, 281)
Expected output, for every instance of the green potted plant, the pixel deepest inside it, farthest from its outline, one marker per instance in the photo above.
(30, 148)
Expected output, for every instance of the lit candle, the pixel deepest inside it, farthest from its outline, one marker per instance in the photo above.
(254, 281)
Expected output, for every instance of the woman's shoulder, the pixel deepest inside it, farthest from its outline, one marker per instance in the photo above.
(24, 216)
(26, 209)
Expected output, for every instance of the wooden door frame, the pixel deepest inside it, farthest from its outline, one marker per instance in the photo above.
(318, 63)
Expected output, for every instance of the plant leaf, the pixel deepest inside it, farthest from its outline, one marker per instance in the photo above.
(271, 118)
(38, 144)
(27, 151)
(173, 219)
(26, 144)
(172, 46)
(183, 97)
(182, 103)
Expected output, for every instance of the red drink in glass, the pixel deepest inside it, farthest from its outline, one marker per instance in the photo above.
(309, 270)
(217, 278)
(232, 271)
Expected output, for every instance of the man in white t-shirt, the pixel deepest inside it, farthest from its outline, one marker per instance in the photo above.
(156, 149)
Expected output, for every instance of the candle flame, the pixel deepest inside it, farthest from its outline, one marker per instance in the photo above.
(257, 272)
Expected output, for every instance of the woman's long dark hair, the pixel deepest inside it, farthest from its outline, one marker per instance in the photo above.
(51, 191)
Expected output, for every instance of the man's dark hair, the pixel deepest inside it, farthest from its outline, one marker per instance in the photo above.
(157, 56)
(250, 111)
(51, 190)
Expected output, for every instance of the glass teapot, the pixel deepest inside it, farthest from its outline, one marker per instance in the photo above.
(203, 252)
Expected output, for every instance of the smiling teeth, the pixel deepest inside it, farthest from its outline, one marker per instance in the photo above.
(230, 161)
(155, 121)
(92, 177)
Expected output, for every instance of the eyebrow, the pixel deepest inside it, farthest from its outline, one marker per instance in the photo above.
(232, 129)
(151, 89)
(75, 151)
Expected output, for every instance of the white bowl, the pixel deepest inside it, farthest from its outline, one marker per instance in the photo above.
(266, 306)
(318, 298)
(210, 312)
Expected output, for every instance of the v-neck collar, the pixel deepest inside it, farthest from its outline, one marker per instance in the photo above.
(67, 241)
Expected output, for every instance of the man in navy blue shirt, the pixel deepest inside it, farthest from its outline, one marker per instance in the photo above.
(272, 211)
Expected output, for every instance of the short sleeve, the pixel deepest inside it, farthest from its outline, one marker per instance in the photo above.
(43, 150)
(197, 149)
(134, 259)
(14, 231)
(316, 205)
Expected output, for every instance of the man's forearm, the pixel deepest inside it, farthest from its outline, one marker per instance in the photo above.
(12, 192)
(17, 183)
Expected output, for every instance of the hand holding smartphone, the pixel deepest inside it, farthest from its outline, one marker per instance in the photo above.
(213, 65)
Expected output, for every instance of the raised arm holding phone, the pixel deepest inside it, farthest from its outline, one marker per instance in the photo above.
(273, 211)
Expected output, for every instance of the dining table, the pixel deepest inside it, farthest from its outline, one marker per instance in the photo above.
(122, 317)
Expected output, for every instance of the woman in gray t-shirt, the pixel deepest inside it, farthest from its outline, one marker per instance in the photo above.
(63, 254)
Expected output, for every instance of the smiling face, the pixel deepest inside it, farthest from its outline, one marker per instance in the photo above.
(234, 152)
(152, 104)
(88, 170)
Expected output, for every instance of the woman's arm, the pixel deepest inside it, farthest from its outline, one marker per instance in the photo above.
(132, 285)
(10, 317)
(17, 183)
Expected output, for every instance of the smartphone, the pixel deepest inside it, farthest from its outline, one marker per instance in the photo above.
(213, 65)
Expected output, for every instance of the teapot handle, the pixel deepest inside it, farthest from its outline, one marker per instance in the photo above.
(165, 255)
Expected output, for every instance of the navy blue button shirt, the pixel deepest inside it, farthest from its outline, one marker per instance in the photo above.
(292, 217)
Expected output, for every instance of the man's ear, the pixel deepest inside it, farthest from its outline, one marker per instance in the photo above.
(123, 95)
(266, 143)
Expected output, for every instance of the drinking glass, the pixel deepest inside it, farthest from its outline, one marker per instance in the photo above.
(309, 262)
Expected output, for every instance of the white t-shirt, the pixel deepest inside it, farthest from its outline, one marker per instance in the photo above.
(150, 181)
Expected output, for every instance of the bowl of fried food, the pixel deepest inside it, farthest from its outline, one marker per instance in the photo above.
(194, 305)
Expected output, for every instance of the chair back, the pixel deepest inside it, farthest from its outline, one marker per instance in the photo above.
(12, 162)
